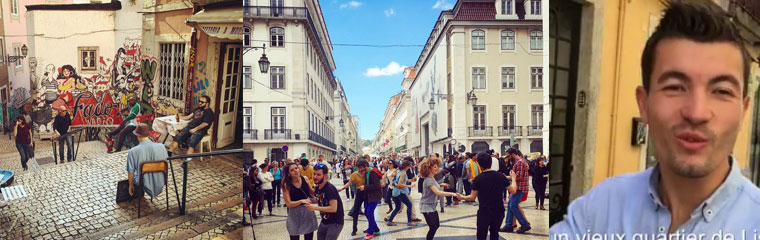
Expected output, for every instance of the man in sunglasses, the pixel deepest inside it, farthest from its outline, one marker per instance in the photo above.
(202, 117)
(328, 204)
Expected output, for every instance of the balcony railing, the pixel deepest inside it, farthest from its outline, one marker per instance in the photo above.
(251, 134)
(480, 131)
(751, 6)
(509, 130)
(535, 130)
(278, 12)
(321, 140)
(275, 134)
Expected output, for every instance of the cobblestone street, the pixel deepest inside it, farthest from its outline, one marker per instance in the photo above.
(457, 222)
(76, 200)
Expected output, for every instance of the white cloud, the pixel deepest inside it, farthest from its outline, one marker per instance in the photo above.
(389, 12)
(393, 68)
(351, 4)
(443, 5)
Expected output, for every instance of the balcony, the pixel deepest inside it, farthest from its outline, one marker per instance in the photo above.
(480, 131)
(251, 134)
(321, 140)
(277, 134)
(535, 130)
(509, 130)
(274, 12)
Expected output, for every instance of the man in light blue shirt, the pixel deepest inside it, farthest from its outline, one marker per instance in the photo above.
(695, 72)
(147, 150)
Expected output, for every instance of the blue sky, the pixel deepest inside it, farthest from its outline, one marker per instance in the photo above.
(370, 75)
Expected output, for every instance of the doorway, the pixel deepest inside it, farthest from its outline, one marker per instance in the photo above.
(564, 42)
(227, 94)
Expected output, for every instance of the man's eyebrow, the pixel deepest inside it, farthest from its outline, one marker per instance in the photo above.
(726, 78)
(680, 76)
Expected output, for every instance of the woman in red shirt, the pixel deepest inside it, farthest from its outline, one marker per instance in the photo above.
(23, 134)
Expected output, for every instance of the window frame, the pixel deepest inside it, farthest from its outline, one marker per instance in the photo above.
(533, 77)
(514, 77)
(484, 74)
(272, 34)
(247, 77)
(474, 37)
(80, 56)
(246, 36)
(273, 72)
(504, 37)
(536, 40)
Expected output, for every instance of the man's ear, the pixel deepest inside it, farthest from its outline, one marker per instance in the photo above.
(641, 100)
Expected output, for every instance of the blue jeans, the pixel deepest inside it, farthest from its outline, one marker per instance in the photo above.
(369, 211)
(192, 139)
(512, 210)
(69, 145)
(401, 198)
(23, 150)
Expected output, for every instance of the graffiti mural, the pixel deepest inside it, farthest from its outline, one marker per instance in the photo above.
(95, 100)
(201, 82)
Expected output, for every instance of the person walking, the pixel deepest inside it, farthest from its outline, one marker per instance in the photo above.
(297, 194)
(266, 186)
(356, 182)
(488, 187)
(276, 182)
(540, 175)
(521, 170)
(61, 125)
(346, 171)
(373, 195)
(23, 134)
(388, 179)
(430, 193)
(400, 193)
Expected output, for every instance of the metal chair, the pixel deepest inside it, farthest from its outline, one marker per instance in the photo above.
(154, 167)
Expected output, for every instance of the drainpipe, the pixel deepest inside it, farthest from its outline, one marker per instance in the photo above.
(616, 88)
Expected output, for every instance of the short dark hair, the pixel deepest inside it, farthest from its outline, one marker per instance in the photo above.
(21, 118)
(484, 159)
(362, 163)
(304, 162)
(321, 167)
(698, 21)
(208, 99)
(511, 151)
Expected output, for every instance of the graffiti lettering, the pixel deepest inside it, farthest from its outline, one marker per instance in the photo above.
(89, 110)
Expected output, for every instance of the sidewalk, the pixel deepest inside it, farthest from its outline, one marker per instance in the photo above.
(77, 200)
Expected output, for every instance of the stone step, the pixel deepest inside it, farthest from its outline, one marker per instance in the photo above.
(162, 220)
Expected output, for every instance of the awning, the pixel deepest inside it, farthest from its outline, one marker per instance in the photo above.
(219, 23)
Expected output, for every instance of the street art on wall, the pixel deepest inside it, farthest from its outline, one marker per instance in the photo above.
(95, 100)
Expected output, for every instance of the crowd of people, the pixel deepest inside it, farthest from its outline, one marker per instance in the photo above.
(482, 179)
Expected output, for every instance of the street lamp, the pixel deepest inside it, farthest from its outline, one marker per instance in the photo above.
(263, 61)
(439, 95)
(24, 51)
(472, 98)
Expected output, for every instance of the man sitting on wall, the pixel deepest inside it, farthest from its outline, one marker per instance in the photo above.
(202, 117)
(128, 125)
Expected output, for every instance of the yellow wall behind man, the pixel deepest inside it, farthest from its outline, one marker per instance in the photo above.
(624, 36)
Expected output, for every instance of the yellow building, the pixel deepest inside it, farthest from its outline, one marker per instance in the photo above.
(595, 54)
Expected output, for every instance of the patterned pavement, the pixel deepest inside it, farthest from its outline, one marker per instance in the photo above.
(77, 200)
(457, 222)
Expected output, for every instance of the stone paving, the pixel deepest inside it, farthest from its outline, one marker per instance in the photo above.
(77, 199)
(458, 222)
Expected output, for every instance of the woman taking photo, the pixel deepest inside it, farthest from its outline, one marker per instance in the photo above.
(430, 192)
(297, 193)
(400, 191)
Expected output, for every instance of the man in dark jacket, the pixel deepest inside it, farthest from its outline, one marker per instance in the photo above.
(374, 193)
(61, 125)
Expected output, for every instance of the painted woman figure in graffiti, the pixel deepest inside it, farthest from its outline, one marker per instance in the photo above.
(68, 80)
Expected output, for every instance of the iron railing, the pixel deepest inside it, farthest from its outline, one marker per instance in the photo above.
(186, 159)
(480, 131)
(278, 12)
(508, 130)
(321, 140)
(751, 6)
(282, 133)
(251, 134)
(535, 130)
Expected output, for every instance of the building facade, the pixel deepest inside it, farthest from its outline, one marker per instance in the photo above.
(478, 83)
(290, 111)
(594, 73)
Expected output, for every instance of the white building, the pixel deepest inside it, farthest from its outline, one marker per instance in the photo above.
(478, 81)
(292, 105)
